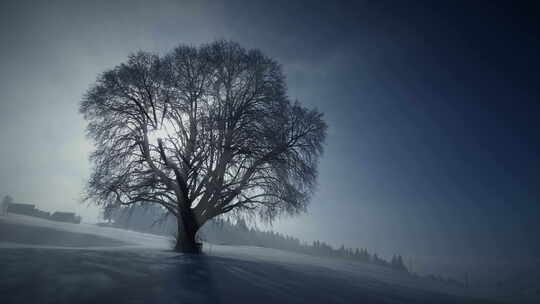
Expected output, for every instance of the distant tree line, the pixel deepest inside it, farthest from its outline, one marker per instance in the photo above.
(226, 232)
(150, 219)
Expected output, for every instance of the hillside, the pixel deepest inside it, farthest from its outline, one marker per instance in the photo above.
(111, 265)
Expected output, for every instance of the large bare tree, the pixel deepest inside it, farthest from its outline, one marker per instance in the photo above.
(201, 131)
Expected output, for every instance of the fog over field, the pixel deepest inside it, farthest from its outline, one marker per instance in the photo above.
(120, 266)
(420, 143)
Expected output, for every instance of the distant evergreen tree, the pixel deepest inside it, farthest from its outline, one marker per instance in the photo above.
(108, 213)
(399, 264)
(6, 201)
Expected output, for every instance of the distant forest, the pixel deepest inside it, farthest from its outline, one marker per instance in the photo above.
(224, 231)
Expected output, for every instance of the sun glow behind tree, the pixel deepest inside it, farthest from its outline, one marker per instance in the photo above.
(202, 132)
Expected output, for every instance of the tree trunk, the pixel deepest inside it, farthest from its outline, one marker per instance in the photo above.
(187, 230)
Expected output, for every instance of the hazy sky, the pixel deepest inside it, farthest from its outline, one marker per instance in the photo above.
(433, 109)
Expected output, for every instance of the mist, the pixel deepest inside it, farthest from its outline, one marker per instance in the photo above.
(431, 150)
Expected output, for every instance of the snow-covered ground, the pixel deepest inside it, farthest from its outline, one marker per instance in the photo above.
(92, 264)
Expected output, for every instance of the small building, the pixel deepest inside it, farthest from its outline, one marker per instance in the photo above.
(25, 209)
(68, 217)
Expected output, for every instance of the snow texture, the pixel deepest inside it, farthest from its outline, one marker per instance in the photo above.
(109, 265)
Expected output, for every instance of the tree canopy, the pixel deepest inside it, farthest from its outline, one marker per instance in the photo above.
(202, 131)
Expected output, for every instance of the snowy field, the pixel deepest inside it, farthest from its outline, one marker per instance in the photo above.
(49, 262)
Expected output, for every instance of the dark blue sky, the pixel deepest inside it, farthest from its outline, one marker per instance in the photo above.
(433, 108)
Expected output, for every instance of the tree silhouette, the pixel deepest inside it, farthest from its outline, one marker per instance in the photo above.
(201, 132)
(6, 201)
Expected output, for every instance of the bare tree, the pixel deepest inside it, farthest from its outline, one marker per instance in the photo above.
(201, 132)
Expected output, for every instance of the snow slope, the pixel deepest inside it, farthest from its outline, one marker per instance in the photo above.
(136, 267)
